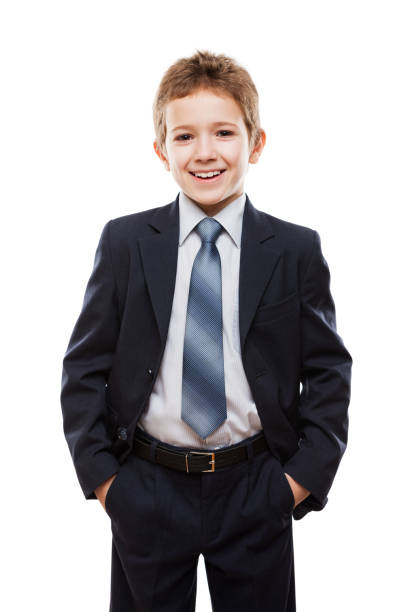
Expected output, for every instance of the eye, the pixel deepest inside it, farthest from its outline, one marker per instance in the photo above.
(181, 136)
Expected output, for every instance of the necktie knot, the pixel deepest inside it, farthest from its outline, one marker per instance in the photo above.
(209, 229)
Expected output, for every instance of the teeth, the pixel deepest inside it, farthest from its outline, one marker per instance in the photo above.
(206, 174)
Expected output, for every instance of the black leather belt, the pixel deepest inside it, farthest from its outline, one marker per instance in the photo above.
(193, 460)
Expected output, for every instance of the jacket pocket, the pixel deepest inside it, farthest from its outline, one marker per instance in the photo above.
(277, 310)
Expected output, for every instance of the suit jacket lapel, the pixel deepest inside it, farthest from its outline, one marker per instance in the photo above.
(159, 252)
(259, 257)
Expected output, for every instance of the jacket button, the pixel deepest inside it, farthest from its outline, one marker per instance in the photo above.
(121, 433)
(150, 372)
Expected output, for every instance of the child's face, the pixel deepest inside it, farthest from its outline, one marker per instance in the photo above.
(201, 146)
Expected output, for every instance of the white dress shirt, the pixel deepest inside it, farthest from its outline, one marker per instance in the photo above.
(162, 415)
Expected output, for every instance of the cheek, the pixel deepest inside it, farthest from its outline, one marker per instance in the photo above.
(238, 167)
(235, 158)
(180, 160)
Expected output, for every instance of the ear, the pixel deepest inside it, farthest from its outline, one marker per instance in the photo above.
(258, 148)
(161, 156)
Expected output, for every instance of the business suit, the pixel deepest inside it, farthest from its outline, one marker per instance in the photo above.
(287, 331)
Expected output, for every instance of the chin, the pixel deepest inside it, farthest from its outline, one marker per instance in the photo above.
(212, 202)
(209, 197)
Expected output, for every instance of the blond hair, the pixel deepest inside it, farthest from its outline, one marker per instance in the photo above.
(205, 70)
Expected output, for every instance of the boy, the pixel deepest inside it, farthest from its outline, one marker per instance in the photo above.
(181, 382)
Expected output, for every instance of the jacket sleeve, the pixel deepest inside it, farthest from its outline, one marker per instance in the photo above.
(326, 384)
(86, 366)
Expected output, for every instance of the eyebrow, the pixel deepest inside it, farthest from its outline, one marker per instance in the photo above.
(190, 127)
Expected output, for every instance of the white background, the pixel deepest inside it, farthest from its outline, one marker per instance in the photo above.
(76, 135)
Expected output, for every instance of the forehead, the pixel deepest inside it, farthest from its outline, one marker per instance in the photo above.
(202, 108)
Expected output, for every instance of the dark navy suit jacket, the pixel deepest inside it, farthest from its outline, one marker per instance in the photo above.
(297, 366)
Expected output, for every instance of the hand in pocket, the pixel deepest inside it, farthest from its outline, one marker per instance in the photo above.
(299, 492)
(102, 490)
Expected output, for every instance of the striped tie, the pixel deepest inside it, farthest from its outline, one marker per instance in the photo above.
(203, 394)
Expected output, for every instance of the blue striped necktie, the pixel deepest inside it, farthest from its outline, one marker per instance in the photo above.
(203, 395)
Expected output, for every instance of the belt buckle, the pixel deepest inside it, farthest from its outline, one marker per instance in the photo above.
(212, 461)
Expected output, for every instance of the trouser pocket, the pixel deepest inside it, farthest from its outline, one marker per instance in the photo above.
(289, 497)
(110, 496)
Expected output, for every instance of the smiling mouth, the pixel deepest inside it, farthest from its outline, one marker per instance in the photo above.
(209, 179)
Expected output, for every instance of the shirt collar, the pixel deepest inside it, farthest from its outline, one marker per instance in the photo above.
(229, 217)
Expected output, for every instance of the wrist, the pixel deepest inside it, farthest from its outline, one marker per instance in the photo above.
(299, 491)
(102, 489)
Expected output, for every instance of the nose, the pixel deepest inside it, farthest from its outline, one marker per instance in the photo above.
(205, 149)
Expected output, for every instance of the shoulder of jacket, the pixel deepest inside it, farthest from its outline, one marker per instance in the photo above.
(131, 225)
(132, 220)
(290, 232)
